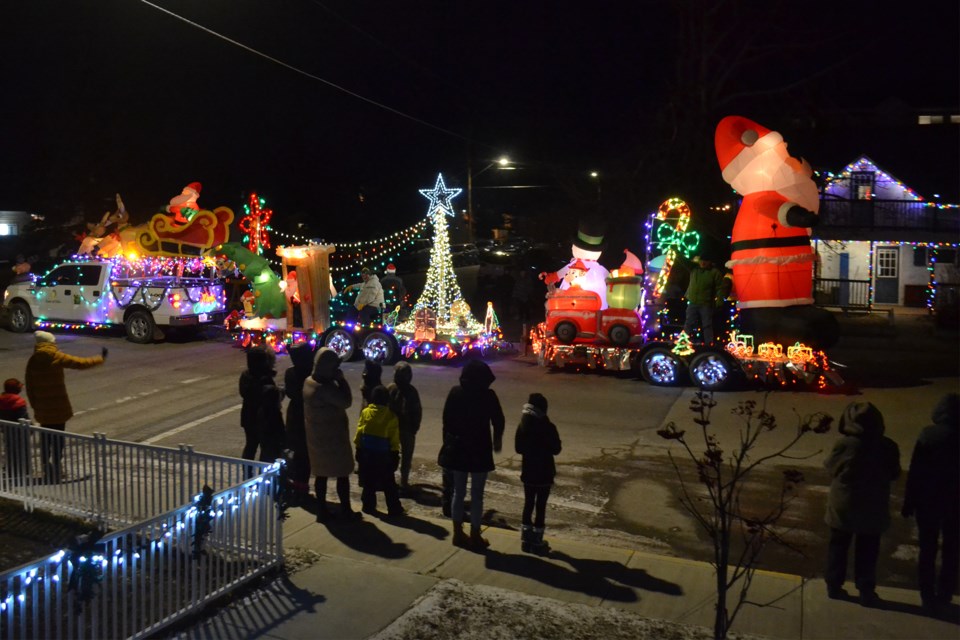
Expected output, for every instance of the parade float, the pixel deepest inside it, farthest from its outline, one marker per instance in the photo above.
(145, 278)
(634, 332)
(307, 301)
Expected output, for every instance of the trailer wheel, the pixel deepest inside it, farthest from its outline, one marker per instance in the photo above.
(380, 347)
(711, 371)
(140, 327)
(342, 343)
(661, 367)
(566, 332)
(20, 317)
(619, 335)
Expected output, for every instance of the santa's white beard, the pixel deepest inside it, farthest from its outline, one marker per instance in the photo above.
(769, 172)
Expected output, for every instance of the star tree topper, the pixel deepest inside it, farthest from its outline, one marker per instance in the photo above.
(440, 197)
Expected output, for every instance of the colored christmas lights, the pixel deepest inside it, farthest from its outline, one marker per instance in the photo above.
(256, 224)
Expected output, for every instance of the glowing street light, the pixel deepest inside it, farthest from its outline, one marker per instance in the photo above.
(503, 162)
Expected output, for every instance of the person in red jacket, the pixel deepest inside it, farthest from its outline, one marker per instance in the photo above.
(47, 393)
(13, 408)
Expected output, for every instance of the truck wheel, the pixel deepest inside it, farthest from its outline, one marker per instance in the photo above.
(661, 367)
(619, 335)
(380, 347)
(711, 371)
(566, 332)
(20, 317)
(140, 327)
(342, 342)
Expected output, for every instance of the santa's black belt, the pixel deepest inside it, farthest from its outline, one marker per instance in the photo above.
(762, 243)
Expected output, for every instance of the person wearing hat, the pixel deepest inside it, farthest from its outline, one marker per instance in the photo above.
(862, 466)
(537, 441)
(47, 392)
(394, 292)
(587, 247)
(13, 408)
(708, 288)
(369, 301)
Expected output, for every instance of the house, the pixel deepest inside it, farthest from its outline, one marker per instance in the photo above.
(880, 243)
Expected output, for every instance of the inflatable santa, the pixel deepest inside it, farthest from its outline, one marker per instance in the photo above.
(771, 255)
(186, 200)
(586, 249)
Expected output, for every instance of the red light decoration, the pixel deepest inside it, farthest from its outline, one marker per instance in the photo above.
(256, 224)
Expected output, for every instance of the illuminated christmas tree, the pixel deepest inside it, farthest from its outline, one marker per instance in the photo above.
(441, 293)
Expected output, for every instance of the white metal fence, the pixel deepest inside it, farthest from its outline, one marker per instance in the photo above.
(178, 549)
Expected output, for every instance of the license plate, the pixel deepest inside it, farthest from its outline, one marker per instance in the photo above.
(203, 317)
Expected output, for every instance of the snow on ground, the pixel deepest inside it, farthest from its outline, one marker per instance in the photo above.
(455, 610)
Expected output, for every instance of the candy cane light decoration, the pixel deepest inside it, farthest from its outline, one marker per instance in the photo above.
(673, 238)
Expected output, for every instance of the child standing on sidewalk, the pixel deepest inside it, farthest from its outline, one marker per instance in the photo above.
(538, 442)
(378, 453)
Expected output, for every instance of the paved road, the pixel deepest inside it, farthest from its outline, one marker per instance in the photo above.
(616, 483)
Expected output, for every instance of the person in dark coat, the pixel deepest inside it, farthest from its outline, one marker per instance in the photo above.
(471, 409)
(13, 408)
(862, 465)
(372, 372)
(933, 496)
(301, 359)
(378, 452)
(538, 442)
(405, 403)
(326, 398)
(261, 415)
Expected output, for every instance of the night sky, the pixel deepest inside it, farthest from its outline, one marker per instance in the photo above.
(113, 96)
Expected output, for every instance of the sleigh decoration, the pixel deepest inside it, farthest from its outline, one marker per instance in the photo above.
(163, 236)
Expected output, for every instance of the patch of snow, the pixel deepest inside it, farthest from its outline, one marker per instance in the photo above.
(455, 610)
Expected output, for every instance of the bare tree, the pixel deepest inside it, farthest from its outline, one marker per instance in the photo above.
(723, 477)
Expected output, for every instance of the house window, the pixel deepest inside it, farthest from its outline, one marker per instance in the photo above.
(863, 183)
(887, 262)
(8, 229)
(943, 256)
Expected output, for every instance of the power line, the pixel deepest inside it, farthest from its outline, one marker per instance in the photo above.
(305, 73)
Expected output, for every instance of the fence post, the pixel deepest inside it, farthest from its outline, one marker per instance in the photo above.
(100, 475)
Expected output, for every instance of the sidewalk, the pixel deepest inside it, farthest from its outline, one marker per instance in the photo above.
(369, 573)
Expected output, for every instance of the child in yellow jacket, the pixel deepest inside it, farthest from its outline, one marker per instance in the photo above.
(378, 453)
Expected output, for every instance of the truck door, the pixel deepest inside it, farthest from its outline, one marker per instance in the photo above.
(71, 292)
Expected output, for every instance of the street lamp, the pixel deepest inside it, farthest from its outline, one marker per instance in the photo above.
(596, 176)
(503, 162)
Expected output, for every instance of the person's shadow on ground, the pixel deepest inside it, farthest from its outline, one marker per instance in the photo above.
(424, 527)
(364, 536)
(588, 578)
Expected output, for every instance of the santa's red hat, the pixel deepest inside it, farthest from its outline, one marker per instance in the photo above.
(579, 265)
(194, 186)
(738, 141)
(391, 268)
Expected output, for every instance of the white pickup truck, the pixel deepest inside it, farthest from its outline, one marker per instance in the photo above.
(105, 292)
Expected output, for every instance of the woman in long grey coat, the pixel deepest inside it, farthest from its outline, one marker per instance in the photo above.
(862, 466)
(326, 398)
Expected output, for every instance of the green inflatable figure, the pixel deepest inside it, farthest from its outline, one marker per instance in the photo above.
(269, 300)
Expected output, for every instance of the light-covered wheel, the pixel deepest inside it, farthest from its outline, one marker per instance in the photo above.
(711, 371)
(341, 341)
(380, 347)
(20, 317)
(140, 327)
(566, 332)
(661, 367)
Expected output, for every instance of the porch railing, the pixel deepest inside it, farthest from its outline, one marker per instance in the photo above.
(171, 553)
(840, 292)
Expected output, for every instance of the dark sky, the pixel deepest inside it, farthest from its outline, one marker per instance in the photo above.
(104, 96)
